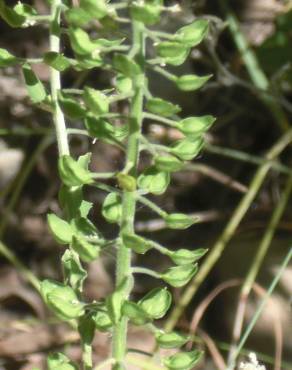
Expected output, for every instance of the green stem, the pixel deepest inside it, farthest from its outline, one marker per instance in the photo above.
(123, 264)
(245, 157)
(155, 117)
(253, 67)
(87, 356)
(145, 271)
(55, 79)
(20, 181)
(256, 264)
(26, 273)
(228, 232)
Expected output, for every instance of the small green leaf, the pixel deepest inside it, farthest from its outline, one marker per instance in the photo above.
(126, 65)
(105, 43)
(61, 230)
(171, 340)
(102, 320)
(70, 200)
(192, 34)
(147, 12)
(96, 101)
(162, 107)
(187, 149)
(7, 59)
(156, 303)
(88, 252)
(192, 127)
(115, 301)
(74, 273)
(10, 16)
(153, 180)
(58, 361)
(135, 313)
(191, 82)
(168, 163)
(85, 229)
(77, 17)
(71, 107)
(34, 86)
(179, 276)
(112, 208)
(101, 129)
(183, 360)
(88, 62)
(57, 61)
(136, 243)
(179, 221)
(186, 256)
(96, 8)
(24, 10)
(72, 173)
(81, 42)
(61, 299)
(86, 328)
(124, 84)
(126, 182)
(171, 49)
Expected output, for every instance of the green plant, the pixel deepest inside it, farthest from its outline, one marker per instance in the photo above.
(128, 60)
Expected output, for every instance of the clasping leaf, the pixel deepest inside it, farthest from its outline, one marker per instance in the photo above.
(135, 313)
(96, 101)
(136, 243)
(61, 299)
(87, 251)
(7, 59)
(112, 208)
(34, 86)
(72, 173)
(58, 361)
(61, 230)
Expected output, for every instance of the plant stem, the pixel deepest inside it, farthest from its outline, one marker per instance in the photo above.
(55, 79)
(260, 308)
(256, 264)
(145, 271)
(20, 181)
(228, 232)
(21, 268)
(123, 264)
(155, 117)
(245, 157)
(87, 356)
(253, 67)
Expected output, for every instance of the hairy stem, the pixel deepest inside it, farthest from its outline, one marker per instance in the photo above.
(55, 79)
(123, 264)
